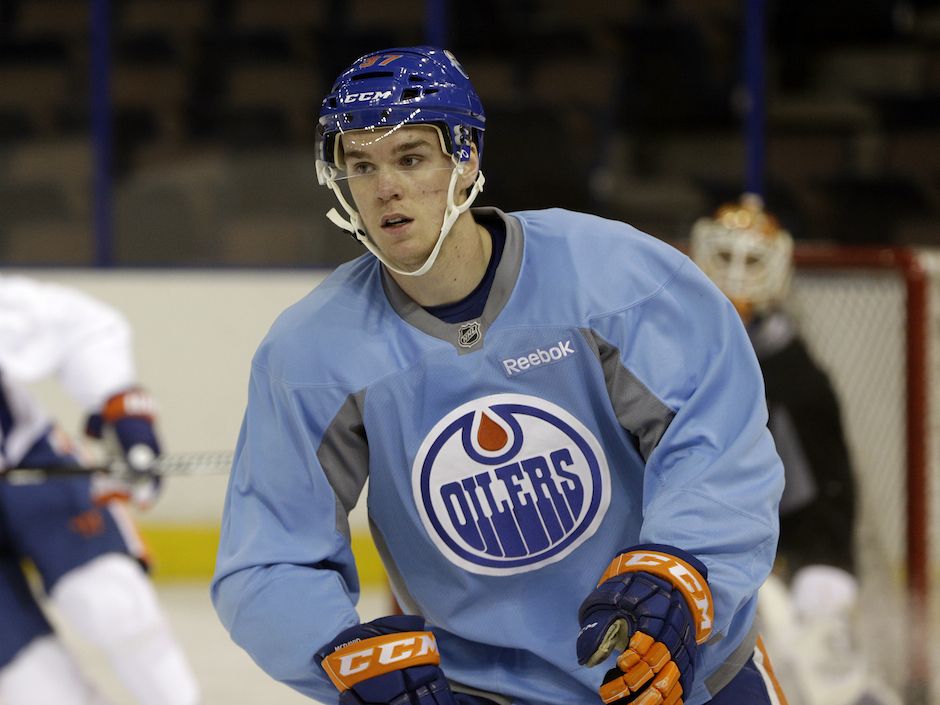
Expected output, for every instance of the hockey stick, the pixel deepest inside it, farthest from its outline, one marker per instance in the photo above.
(182, 464)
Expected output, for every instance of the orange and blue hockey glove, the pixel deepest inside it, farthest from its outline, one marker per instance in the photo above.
(653, 607)
(126, 424)
(390, 660)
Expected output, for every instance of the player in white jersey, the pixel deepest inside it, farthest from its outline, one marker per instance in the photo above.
(76, 531)
(561, 420)
(808, 606)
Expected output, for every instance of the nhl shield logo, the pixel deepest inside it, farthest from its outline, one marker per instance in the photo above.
(469, 334)
(508, 483)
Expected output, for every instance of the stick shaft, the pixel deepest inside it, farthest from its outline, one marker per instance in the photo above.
(181, 464)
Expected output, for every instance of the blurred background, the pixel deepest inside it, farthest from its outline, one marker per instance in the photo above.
(181, 132)
(159, 154)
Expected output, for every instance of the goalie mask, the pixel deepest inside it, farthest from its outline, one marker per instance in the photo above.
(390, 89)
(746, 253)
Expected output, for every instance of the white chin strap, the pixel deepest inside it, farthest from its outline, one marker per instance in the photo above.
(327, 176)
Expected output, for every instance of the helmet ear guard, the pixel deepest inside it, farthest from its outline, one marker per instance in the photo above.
(746, 253)
(395, 88)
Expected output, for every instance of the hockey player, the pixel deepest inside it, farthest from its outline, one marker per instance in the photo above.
(561, 421)
(807, 607)
(75, 533)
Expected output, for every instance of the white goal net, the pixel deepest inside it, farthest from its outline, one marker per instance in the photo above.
(871, 318)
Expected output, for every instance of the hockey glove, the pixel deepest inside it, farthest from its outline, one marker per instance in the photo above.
(389, 660)
(654, 606)
(126, 423)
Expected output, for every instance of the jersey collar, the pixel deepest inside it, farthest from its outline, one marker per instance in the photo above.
(467, 336)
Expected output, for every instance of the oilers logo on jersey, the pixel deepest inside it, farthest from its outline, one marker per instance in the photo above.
(509, 483)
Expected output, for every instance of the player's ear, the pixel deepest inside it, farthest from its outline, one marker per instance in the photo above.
(471, 168)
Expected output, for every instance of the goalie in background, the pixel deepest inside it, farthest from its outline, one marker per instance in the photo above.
(76, 531)
(806, 608)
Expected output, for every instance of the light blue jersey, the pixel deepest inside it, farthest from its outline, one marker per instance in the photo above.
(607, 396)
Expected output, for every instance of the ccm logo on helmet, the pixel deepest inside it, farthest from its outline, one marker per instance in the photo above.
(366, 96)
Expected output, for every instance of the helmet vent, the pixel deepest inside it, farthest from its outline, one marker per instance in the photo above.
(410, 93)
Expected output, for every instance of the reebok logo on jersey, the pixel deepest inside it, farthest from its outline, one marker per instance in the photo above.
(509, 483)
(517, 365)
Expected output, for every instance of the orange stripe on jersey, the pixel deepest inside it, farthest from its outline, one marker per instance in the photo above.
(680, 574)
(766, 669)
(373, 657)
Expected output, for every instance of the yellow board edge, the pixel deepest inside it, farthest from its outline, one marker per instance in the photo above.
(187, 552)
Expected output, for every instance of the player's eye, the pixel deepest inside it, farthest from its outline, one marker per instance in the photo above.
(361, 168)
(409, 161)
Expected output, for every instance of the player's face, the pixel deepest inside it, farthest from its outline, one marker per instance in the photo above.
(399, 180)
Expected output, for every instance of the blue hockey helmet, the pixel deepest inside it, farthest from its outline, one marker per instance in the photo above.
(395, 88)
(409, 85)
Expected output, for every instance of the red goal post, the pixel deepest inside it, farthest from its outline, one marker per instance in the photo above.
(870, 317)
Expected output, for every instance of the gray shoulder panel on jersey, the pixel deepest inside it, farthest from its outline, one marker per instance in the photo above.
(638, 410)
(467, 336)
(344, 457)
